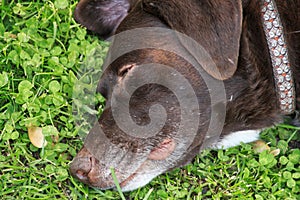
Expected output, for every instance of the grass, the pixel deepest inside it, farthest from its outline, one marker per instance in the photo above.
(42, 51)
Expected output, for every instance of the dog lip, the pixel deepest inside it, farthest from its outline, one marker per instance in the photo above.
(129, 178)
(124, 182)
(92, 180)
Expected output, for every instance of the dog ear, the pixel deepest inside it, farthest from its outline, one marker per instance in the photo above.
(101, 16)
(215, 24)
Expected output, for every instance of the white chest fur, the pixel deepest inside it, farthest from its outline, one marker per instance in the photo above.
(235, 138)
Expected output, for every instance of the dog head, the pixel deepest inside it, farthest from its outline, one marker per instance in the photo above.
(147, 128)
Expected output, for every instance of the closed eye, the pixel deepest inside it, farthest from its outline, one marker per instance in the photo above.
(125, 69)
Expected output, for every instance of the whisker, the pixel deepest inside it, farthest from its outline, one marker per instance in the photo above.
(293, 32)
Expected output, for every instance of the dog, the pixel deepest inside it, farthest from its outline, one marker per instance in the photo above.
(255, 48)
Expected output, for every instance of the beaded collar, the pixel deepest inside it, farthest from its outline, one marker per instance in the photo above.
(282, 72)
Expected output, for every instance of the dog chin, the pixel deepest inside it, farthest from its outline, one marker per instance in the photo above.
(139, 180)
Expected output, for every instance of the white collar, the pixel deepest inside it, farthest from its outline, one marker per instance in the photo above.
(282, 72)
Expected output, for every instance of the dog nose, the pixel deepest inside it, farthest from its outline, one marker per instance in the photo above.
(81, 167)
(87, 169)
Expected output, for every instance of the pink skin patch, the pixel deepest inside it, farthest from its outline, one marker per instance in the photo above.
(163, 150)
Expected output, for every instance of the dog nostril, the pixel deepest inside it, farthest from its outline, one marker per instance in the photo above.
(81, 174)
(81, 167)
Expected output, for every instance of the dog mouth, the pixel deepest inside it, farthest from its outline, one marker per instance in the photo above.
(90, 171)
(92, 175)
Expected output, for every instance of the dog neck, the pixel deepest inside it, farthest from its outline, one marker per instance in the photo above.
(285, 87)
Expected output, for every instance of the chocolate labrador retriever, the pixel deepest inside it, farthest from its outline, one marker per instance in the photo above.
(254, 56)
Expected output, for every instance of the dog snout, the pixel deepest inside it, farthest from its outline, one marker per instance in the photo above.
(88, 170)
(82, 165)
